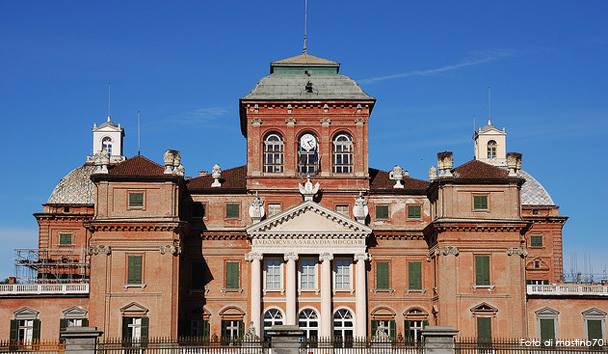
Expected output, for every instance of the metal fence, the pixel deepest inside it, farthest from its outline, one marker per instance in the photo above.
(188, 345)
(529, 345)
(359, 346)
(36, 346)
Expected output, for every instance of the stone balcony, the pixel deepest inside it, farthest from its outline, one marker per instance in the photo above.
(572, 289)
(44, 289)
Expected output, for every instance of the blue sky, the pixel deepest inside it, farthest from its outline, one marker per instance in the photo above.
(185, 64)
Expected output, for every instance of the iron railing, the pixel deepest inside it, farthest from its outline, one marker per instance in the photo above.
(35, 346)
(186, 345)
(359, 345)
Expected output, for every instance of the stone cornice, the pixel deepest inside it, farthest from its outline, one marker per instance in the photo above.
(156, 226)
(223, 235)
(60, 216)
(398, 235)
(476, 226)
(554, 219)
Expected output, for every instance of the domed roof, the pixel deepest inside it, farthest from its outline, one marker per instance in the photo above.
(532, 192)
(75, 188)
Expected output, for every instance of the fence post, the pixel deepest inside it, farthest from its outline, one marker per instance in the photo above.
(80, 339)
(439, 340)
(285, 339)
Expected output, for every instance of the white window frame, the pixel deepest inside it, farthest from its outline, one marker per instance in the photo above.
(343, 148)
(274, 321)
(135, 325)
(595, 314)
(337, 260)
(307, 320)
(106, 141)
(279, 154)
(233, 329)
(301, 265)
(343, 328)
(25, 330)
(416, 326)
(547, 314)
(265, 275)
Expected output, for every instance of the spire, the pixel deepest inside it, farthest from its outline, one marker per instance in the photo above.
(489, 106)
(305, 47)
(109, 101)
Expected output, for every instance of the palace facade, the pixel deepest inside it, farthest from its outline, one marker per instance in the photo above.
(305, 233)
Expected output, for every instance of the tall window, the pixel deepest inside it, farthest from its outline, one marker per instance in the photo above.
(343, 154)
(106, 145)
(272, 268)
(482, 270)
(308, 155)
(492, 149)
(25, 328)
(308, 274)
(343, 324)
(413, 330)
(594, 324)
(388, 327)
(273, 154)
(272, 317)
(135, 328)
(414, 275)
(232, 275)
(547, 320)
(232, 330)
(308, 320)
(484, 329)
(382, 275)
(134, 269)
(342, 273)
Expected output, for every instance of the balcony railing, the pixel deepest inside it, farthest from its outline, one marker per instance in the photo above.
(568, 289)
(44, 289)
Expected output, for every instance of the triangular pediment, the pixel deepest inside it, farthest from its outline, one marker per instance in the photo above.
(133, 309)
(309, 218)
(26, 313)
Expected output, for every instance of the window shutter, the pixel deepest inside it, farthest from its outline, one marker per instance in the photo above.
(484, 329)
(14, 331)
(145, 323)
(63, 324)
(241, 329)
(36, 330)
(409, 338)
(382, 281)
(415, 275)
(547, 329)
(232, 275)
(225, 337)
(594, 329)
(482, 270)
(374, 327)
(125, 329)
(206, 329)
(392, 330)
(85, 322)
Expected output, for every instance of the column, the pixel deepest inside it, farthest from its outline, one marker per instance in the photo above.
(256, 290)
(291, 303)
(361, 296)
(326, 317)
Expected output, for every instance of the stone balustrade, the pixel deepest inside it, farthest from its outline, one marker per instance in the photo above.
(44, 289)
(568, 290)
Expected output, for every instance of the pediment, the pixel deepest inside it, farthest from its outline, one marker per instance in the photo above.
(74, 312)
(133, 309)
(484, 308)
(308, 218)
(26, 313)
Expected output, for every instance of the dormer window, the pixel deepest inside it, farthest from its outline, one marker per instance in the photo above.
(343, 154)
(492, 149)
(106, 145)
(273, 154)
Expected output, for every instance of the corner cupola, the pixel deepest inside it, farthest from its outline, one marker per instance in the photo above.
(108, 137)
(491, 145)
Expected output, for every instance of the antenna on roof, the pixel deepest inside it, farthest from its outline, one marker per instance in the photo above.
(305, 48)
(138, 133)
(109, 100)
(489, 105)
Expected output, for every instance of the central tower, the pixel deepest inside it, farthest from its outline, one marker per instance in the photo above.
(305, 119)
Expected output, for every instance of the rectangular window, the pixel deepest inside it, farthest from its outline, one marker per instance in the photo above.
(342, 209)
(413, 330)
(233, 210)
(547, 329)
(536, 241)
(382, 275)
(480, 202)
(482, 270)
(231, 330)
(134, 329)
(65, 238)
(200, 329)
(388, 327)
(134, 269)
(414, 275)
(382, 212)
(197, 275)
(594, 330)
(484, 329)
(25, 331)
(232, 275)
(414, 211)
(136, 199)
(198, 210)
(274, 209)
(342, 272)
(272, 268)
(308, 274)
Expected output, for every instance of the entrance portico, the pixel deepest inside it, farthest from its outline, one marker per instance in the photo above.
(311, 230)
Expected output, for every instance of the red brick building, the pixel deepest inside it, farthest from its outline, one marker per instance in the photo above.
(305, 233)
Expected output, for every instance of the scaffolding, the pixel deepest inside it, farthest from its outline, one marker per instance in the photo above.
(51, 265)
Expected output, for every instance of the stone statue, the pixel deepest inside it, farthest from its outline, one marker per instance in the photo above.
(216, 173)
(360, 209)
(250, 335)
(308, 190)
(256, 209)
(432, 173)
(173, 165)
(397, 175)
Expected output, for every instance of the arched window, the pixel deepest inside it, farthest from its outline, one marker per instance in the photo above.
(343, 154)
(308, 155)
(273, 154)
(106, 145)
(308, 320)
(343, 324)
(492, 149)
(272, 317)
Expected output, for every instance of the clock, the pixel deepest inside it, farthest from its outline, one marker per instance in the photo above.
(308, 142)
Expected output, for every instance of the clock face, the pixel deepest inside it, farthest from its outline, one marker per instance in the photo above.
(308, 142)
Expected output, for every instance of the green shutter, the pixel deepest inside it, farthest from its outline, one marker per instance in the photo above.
(536, 241)
(484, 329)
(125, 329)
(65, 239)
(136, 199)
(480, 202)
(594, 329)
(382, 281)
(134, 269)
(85, 322)
(225, 336)
(482, 270)
(414, 275)
(414, 212)
(241, 329)
(206, 329)
(145, 325)
(393, 330)
(36, 330)
(63, 324)
(374, 327)
(381, 211)
(547, 329)
(14, 331)
(409, 336)
(232, 275)
(233, 211)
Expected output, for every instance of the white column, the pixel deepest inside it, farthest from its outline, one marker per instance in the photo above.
(361, 295)
(256, 291)
(291, 303)
(326, 317)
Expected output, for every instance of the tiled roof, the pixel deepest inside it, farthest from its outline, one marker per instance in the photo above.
(232, 178)
(138, 166)
(476, 169)
(533, 192)
(379, 180)
(75, 188)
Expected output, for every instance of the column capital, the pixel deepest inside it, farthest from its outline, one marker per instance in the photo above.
(253, 256)
(362, 257)
(326, 256)
(290, 256)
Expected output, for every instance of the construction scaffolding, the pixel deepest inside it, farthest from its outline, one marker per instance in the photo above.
(46, 265)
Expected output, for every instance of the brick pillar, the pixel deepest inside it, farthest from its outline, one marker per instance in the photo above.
(82, 340)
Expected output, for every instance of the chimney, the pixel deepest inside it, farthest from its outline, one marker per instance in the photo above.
(514, 163)
(445, 162)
